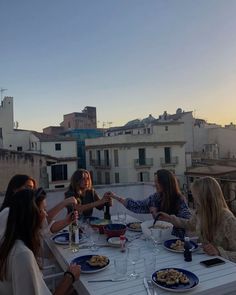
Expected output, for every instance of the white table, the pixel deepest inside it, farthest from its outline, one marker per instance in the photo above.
(219, 279)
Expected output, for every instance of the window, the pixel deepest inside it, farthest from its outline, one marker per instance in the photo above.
(117, 177)
(106, 158)
(90, 157)
(141, 156)
(143, 176)
(0, 132)
(59, 172)
(99, 177)
(167, 155)
(166, 128)
(57, 146)
(107, 178)
(99, 158)
(19, 149)
(116, 158)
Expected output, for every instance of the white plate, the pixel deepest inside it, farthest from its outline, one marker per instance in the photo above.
(114, 241)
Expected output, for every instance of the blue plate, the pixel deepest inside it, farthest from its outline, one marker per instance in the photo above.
(86, 267)
(63, 238)
(193, 281)
(168, 243)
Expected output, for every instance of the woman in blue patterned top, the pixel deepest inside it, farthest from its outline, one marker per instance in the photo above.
(167, 198)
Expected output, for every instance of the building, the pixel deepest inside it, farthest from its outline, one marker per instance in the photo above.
(61, 152)
(86, 119)
(134, 153)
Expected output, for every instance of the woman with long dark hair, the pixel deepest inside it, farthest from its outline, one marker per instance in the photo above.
(167, 198)
(20, 246)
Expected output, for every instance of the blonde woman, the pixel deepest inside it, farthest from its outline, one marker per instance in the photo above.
(213, 222)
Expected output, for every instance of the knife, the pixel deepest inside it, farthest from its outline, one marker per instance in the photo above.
(146, 286)
(107, 280)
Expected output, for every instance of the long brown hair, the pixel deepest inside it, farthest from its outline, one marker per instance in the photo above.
(23, 224)
(16, 182)
(76, 179)
(210, 203)
(171, 192)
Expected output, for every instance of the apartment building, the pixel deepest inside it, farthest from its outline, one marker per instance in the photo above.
(135, 153)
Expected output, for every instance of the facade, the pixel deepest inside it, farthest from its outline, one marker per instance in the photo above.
(86, 119)
(61, 152)
(135, 157)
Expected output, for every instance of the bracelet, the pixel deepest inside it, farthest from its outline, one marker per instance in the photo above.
(71, 274)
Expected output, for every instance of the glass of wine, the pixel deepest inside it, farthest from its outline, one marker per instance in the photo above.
(134, 256)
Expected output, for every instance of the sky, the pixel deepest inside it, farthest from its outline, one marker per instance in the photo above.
(128, 58)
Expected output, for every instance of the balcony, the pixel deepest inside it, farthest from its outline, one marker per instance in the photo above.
(173, 161)
(102, 164)
(143, 163)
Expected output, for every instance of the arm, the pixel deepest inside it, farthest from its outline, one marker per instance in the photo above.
(66, 283)
(227, 248)
(56, 209)
(98, 203)
(141, 206)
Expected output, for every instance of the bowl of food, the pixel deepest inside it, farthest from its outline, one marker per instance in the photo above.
(165, 227)
(100, 223)
(114, 229)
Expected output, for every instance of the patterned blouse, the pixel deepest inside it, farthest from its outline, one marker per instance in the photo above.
(154, 200)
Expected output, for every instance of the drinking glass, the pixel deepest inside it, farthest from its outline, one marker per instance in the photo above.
(133, 256)
(120, 264)
(121, 216)
(156, 236)
(94, 238)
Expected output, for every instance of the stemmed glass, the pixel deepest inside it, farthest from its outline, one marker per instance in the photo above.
(156, 235)
(133, 256)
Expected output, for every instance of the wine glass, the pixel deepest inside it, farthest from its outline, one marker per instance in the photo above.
(156, 236)
(133, 256)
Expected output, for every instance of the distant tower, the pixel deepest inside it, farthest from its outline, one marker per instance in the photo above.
(2, 90)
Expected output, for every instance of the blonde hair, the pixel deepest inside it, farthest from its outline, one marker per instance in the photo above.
(211, 203)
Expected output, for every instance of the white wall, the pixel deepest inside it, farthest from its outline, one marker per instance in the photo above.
(68, 149)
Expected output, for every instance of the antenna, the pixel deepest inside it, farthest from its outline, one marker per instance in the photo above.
(2, 90)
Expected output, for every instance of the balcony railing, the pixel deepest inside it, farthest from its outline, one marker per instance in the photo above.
(100, 164)
(140, 163)
(173, 161)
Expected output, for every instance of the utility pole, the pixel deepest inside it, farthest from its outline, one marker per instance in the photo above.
(2, 90)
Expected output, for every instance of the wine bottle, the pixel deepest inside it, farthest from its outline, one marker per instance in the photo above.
(107, 214)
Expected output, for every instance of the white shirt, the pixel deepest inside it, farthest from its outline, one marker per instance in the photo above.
(23, 273)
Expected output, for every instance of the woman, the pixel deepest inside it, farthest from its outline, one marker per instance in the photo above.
(87, 198)
(20, 246)
(213, 222)
(167, 198)
(21, 181)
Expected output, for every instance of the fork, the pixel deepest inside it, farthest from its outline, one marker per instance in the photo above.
(151, 287)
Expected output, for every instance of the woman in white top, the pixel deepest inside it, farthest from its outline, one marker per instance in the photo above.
(20, 247)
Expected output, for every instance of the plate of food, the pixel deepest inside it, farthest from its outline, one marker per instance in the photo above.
(175, 279)
(115, 241)
(134, 226)
(92, 263)
(63, 238)
(177, 245)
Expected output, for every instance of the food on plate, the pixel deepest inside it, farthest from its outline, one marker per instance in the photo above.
(161, 226)
(135, 225)
(98, 260)
(171, 277)
(178, 245)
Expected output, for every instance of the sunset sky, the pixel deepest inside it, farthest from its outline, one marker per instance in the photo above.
(129, 58)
